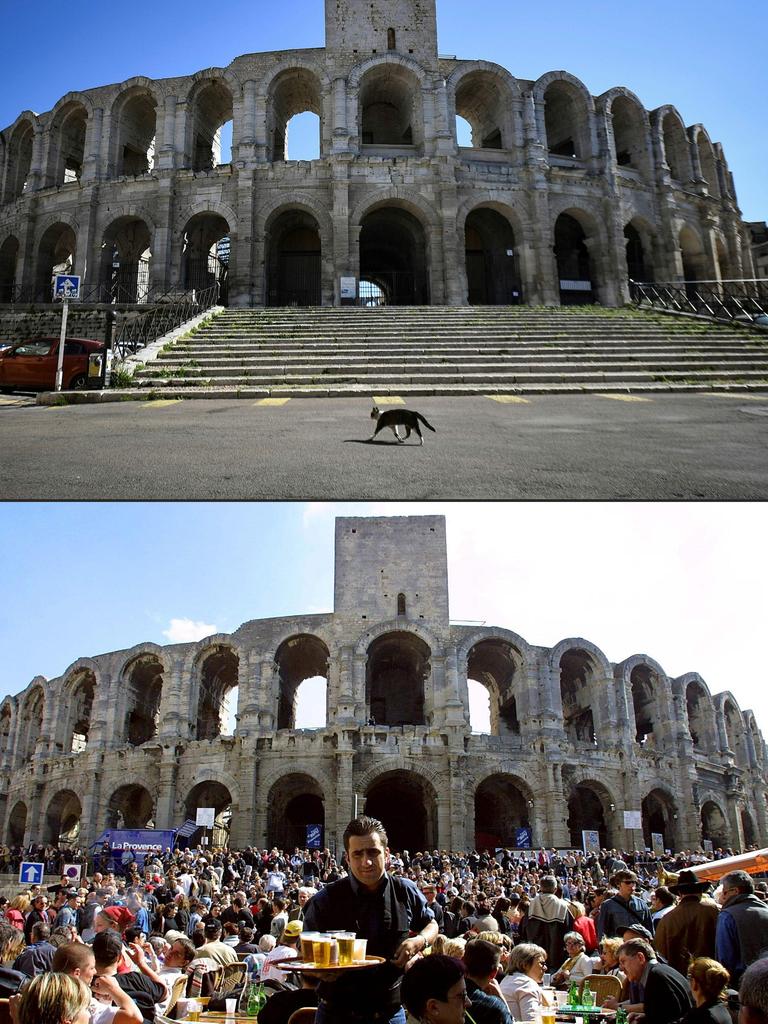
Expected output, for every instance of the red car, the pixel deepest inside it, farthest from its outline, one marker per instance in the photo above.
(31, 365)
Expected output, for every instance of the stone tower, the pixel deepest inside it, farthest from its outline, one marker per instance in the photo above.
(365, 27)
(390, 567)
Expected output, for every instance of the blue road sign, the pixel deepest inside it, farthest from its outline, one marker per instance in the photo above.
(66, 286)
(30, 873)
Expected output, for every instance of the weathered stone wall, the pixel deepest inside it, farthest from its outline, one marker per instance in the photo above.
(575, 740)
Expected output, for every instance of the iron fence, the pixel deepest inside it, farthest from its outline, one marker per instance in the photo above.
(170, 311)
(722, 300)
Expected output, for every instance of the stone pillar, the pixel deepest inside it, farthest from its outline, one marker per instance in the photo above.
(710, 247)
(246, 151)
(262, 144)
(340, 132)
(248, 683)
(92, 163)
(461, 834)
(456, 711)
(182, 134)
(362, 711)
(243, 827)
(165, 805)
(32, 827)
(549, 825)
(165, 154)
(175, 714)
(454, 259)
(340, 808)
(445, 144)
(340, 214)
(269, 678)
(163, 273)
(92, 819)
(97, 731)
(35, 177)
(44, 745)
(88, 253)
(246, 273)
(604, 269)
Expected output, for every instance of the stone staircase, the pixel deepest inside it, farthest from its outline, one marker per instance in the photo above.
(326, 351)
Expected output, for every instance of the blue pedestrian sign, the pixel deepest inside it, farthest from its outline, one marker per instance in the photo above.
(66, 286)
(31, 873)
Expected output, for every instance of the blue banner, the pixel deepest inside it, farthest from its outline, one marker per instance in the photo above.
(314, 837)
(127, 845)
(523, 838)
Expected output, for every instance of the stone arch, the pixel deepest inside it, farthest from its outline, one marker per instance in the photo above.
(78, 693)
(630, 130)
(695, 265)
(216, 676)
(408, 63)
(216, 793)
(141, 682)
(641, 241)
(406, 802)
(748, 828)
(647, 689)
(62, 818)
(7, 727)
(395, 241)
(293, 88)
(700, 713)
(203, 245)
(67, 127)
(9, 262)
(397, 674)
(56, 253)
(131, 804)
(714, 823)
(493, 240)
(758, 744)
(699, 137)
(294, 257)
(299, 657)
(583, 671)
(733, 727)
(295, 800)
(502, 803)
(579, 249)
(566, 116)
(17, 824)
(127, 256)
(20, 136)
(591, 807)
(31, 715)
(659, 814)
(388, 94)
(300, 201)
(672, 139)
(210, 101)
(133, 119)
(495, 632)
(485, 95)
(499, 666)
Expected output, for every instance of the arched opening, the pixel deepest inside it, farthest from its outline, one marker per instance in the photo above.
(211, 116)
(217, 700)
(126, 260)
(643, 683)
(631, 145)
(293, 260)
(82, 693)
(393, 255)
(134, 118)
(31, 724)
(587, 805)
(9, 257)
(574, 266)
(493, 664)
(390, 107)
(396, 670)
(19, 161)
(391, 40)
(482, 104)
(62, 819)
(6, 723)
(67, 149)
(493, 276)
(734, 731)
(748, 829)
(406, 804)
(700, 724)
(205, 255)
(297, 659)
(215, 795)
(55, 255)
(295, 801)
(294, 116)
(757, 741)
(311, 703)
(479, 708)
(503, 806)
(578, 697)
(693, 256)
(714, 826)
(708, 165)
(401, 604)
(144, 688)
(130, 806)
(463, 132)
(676, 149)
(566, 121)
(659, 816)
(638, 268)
(370, 294)
(17, 824)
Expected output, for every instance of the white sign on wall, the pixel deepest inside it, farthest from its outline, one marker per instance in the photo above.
(348, 288)
(633, 819)
(205, 816)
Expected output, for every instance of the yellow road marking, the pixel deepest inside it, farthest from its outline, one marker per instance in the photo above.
(388, 400)
(508, 399)
(626, 398)
(272, 401)
(737, 394)
(160, 403)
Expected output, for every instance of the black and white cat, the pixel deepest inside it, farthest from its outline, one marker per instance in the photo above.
(396, 418)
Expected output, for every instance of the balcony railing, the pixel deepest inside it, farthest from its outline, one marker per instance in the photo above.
(722, 300)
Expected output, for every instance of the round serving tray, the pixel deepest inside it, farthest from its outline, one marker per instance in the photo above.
(293, 964)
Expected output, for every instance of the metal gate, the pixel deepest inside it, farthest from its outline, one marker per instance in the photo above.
(295, 280)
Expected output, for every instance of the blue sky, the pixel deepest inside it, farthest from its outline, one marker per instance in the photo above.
(683, 583)
(704, 58)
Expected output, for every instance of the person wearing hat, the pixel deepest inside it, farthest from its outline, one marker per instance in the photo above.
(742, 927)
(688, 930)
(286, 949)
(623, 909)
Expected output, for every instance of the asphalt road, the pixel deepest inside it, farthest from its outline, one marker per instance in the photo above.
(703, 446)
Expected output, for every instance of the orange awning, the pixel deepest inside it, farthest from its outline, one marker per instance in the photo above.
(754, 863)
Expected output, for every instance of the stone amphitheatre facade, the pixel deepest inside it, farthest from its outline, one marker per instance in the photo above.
(561, 196)
(138, 737)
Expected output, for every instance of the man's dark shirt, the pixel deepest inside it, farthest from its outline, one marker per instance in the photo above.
(281, 1005)
(487, 1009)
(35, 959)
(143, 991)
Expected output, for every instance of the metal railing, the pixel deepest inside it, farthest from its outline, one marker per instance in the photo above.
(170, 311)
(722, 300)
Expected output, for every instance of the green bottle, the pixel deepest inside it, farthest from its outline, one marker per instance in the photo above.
(587, 996)
(621, 1016)
(573, 994)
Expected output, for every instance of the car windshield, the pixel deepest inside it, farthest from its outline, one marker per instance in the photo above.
(40, 347)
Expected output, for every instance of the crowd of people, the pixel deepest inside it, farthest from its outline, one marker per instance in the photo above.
(497, 936)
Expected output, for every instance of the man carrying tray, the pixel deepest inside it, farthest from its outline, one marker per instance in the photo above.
(382, 908)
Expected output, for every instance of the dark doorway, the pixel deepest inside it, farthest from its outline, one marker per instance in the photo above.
(408, 812)
(501, 809)
(573, 264)
(293, 265)
(585, 813)
(493, 277)
(636, 265)
(393, 255)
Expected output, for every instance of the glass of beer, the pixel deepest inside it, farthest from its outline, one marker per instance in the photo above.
(360, 948)
(321, 947)
(307, 948)
(346, 941)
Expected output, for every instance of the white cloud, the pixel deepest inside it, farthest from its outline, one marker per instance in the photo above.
(184, 631)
